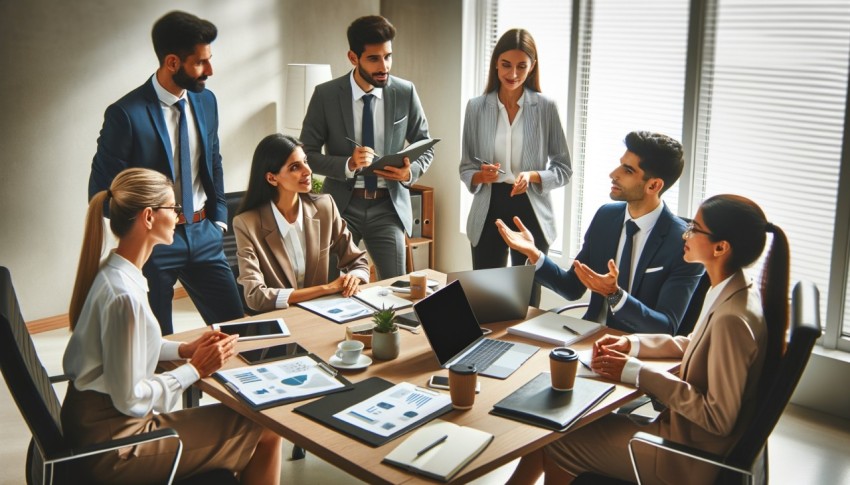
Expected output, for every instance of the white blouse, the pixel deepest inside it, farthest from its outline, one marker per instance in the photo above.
(292, 236)
(507, 148)
(117, 343)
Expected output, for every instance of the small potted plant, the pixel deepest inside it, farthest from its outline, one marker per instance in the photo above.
(386, 341)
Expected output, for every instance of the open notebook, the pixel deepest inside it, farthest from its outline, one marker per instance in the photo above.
(555, 329)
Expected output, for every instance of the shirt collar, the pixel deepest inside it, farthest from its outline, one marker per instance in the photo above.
(119, 263)
(520, 101)
(647, 221)
(283, 225)
(165, 97)
(357, 93)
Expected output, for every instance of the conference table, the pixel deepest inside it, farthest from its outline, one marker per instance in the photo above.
(415, 364)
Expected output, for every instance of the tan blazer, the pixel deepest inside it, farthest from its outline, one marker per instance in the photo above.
(264, 267)
(715, 396)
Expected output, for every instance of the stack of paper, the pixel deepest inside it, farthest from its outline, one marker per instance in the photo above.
(379, 297)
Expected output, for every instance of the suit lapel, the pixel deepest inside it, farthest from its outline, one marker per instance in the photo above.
(736, 284)
(530, 132)
(656, 238)
(389, 95)
(312, 234)
(345, 105)
(155, 112)
(275, 244)
(201, 120)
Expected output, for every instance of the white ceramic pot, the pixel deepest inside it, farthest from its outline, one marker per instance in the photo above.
(386, 346)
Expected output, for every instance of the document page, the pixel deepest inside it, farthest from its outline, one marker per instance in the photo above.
(398, 407)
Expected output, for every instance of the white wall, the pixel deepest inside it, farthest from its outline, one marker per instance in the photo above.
(63, 63)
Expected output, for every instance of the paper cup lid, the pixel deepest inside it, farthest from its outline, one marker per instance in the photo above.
(464, 369)
(564, 354)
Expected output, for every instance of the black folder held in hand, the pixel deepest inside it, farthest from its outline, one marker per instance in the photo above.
(538, 404)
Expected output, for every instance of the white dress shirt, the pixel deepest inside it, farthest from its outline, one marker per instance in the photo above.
(507, 147)
(377, 116)
(292, 236)
(117, 343)
(171, 113)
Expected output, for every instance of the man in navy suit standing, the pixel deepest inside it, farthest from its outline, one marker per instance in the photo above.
(170, 124)
(631, 259)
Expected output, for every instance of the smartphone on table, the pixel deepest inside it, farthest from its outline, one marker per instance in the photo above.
(408, 321)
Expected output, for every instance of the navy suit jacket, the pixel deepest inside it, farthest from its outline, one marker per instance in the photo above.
(663, 282)
(134, 134)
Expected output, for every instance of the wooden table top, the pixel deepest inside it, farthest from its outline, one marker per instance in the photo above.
(415, 364)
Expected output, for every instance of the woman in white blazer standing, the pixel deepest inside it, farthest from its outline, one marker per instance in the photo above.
(514, 153)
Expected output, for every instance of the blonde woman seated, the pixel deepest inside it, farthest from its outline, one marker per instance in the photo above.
(115, 346)
(735, 346)
(285, 235)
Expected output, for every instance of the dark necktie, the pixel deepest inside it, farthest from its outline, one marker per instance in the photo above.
(370, 182)
(626, 257)
(185, 164)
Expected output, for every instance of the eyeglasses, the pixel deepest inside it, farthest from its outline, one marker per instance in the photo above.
(690, 230)
(178, 209)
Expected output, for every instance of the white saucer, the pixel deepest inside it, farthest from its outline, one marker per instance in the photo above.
(363, 362)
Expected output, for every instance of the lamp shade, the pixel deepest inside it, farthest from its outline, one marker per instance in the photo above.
(301, 80)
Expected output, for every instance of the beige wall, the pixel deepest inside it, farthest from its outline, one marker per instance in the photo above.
(62, 63)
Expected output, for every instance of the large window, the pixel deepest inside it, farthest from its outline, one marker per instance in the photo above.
(756, 90)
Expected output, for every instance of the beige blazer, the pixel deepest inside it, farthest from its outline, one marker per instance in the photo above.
(715, 396)
(264, 267)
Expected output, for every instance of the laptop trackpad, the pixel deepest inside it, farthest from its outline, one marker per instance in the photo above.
(510, 360)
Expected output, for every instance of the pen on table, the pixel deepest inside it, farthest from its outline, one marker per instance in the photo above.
(432, 445)
(572, 331)
(488, 163)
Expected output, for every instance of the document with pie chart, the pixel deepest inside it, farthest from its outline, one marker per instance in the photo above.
(282, 381)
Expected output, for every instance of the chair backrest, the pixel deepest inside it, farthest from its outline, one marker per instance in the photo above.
(233, 200)
(26, 378)
(689, 319)
(805, 330)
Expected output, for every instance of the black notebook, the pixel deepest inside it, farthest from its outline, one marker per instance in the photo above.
(538, 404)
(323, 411)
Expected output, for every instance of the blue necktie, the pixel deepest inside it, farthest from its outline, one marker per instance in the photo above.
(370, 182)
(185, 165)
(626, 257)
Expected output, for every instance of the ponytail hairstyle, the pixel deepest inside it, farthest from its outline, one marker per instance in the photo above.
(742, 223)
(131, 191)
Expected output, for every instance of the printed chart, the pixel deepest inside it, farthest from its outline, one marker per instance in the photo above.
(287, 379)
(394, 409)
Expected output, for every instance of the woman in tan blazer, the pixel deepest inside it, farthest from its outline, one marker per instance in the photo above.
(285, 235)
(738, 340)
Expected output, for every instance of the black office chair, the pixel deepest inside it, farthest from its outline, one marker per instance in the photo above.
(229, 242)
(50, 459)
(747, 461)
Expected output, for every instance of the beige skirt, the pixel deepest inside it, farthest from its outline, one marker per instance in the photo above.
(214, 437)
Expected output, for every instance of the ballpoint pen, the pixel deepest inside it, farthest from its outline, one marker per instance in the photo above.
(432, 445)
(361, 146)
(572, 331)
(488, 163)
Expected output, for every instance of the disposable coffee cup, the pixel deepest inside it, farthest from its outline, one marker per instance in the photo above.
(348, 351)
(462, 381)
(563, 362)
(418, 284)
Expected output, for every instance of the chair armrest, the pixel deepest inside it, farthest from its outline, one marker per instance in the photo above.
(679, 449)
(571, 306)
(98, 448)
(59, 378)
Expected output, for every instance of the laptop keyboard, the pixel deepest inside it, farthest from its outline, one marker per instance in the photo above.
(486, 353)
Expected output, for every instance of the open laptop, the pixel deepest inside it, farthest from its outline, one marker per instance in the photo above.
(455, 336)
(497, 294)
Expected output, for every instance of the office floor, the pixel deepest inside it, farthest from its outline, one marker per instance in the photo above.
(806, 447)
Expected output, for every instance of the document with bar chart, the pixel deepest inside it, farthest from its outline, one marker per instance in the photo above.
(399, 407)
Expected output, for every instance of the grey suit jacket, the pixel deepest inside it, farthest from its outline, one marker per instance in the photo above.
(330, 119)
(264, 266)
(544, 150)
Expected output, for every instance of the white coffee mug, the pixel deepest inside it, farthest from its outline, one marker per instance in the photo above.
(348, 351)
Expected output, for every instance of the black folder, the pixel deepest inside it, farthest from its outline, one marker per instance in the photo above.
(538, 404)
(323, 410)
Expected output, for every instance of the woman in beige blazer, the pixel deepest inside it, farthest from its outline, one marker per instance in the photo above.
(285, 235)
(738, 340)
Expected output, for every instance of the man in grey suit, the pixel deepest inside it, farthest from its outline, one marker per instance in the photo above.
(353, 117)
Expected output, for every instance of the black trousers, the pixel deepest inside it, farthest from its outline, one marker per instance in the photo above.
(492, 251)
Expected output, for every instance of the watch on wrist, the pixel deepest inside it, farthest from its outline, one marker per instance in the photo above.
(614, 298)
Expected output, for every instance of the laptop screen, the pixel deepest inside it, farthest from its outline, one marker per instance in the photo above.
(497, 294)
(448, 321)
